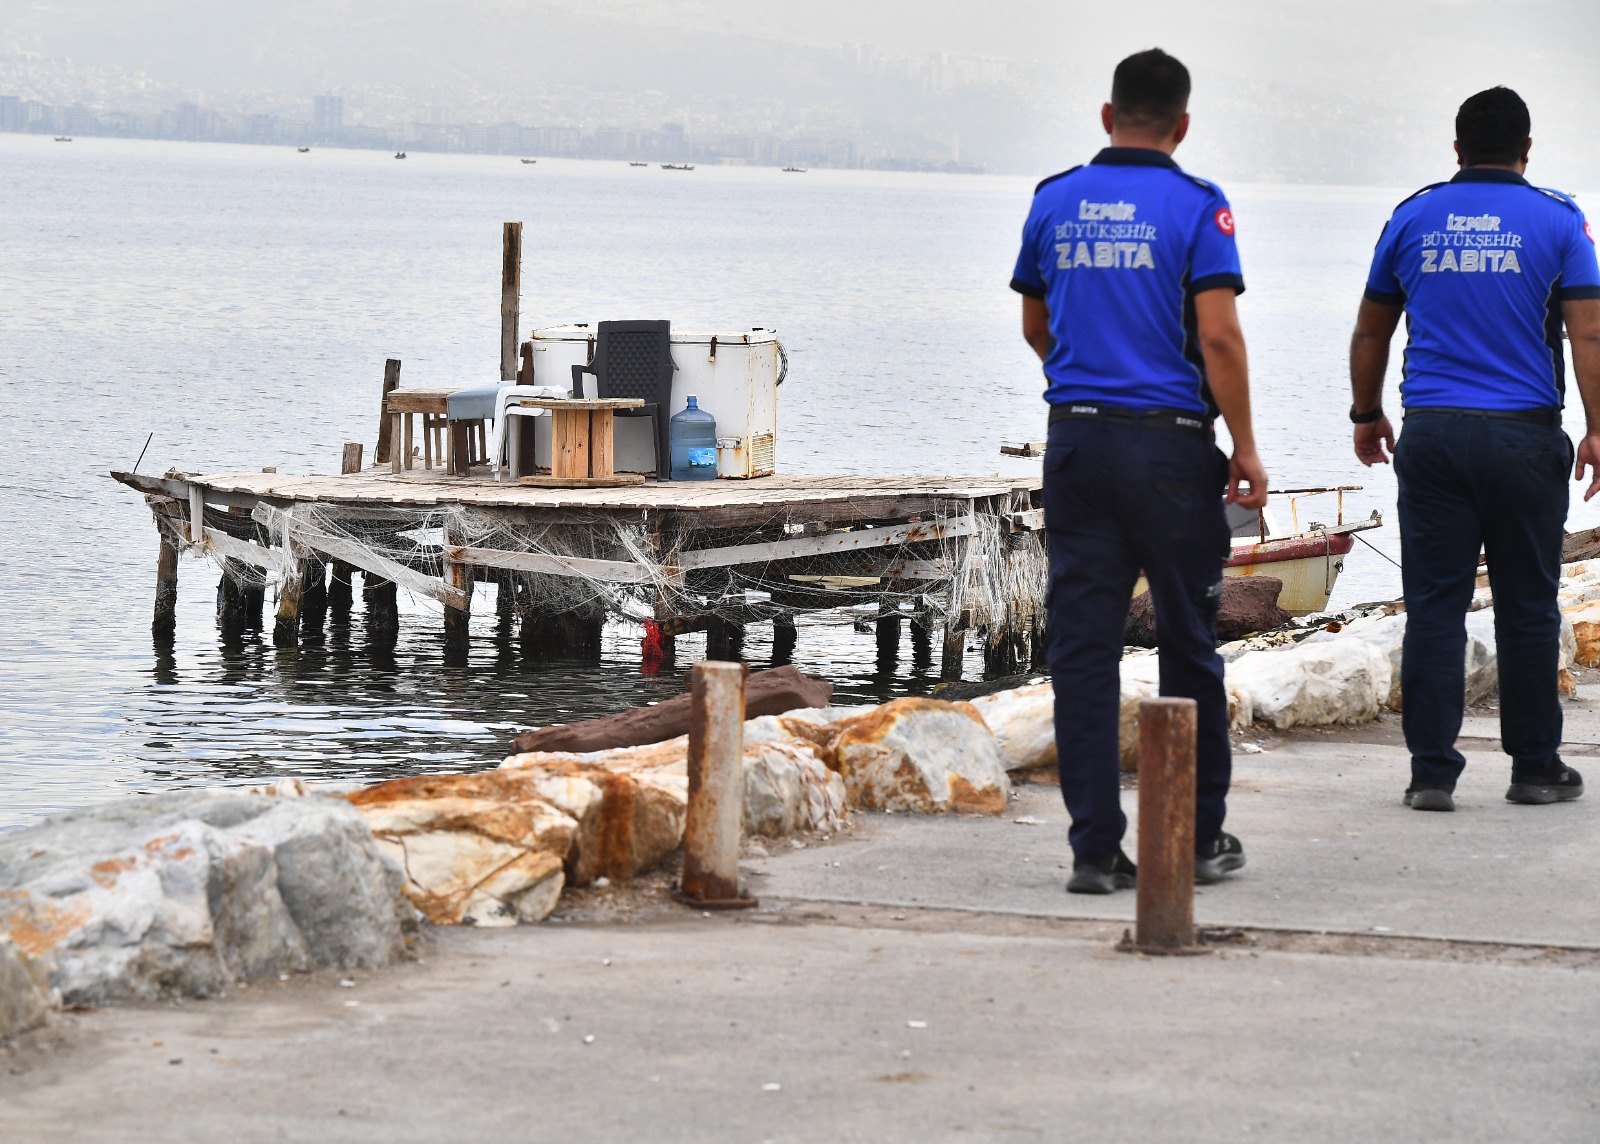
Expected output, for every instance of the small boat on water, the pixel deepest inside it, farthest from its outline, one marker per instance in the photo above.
(530, 162)
(794, 170)
(399, 154)
(631, 163)
(302, 150)
(63, 139)
(677, 166)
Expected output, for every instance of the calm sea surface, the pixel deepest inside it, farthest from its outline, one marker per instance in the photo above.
(239, 303)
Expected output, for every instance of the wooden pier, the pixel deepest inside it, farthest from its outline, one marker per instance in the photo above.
(954, 554)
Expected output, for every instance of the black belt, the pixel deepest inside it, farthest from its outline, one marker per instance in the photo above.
(1158, 418)
(1546, 416)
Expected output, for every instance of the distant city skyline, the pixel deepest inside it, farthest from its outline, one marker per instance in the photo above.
(1294, 91)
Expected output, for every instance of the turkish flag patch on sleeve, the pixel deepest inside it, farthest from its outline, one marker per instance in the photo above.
(1224, 220)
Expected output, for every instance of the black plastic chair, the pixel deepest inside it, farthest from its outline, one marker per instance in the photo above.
(634, 359)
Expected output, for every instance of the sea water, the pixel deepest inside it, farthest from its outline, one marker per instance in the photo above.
(236, 305)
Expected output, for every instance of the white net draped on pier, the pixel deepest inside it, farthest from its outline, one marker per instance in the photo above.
(982, 577)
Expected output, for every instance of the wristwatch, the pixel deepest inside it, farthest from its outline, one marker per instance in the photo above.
(1367, 418)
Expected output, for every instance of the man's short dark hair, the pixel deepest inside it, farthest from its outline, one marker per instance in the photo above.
(1491, 127)
(1150, 89)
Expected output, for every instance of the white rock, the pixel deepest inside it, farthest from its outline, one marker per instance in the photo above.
(787, 789)
(920, 755)
(1023, 721)
(182, 894)
(1314, 684)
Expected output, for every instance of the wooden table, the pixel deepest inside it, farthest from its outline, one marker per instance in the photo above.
(402, 404)
(581, 441)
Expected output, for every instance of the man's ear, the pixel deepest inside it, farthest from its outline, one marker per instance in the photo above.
(1460, 162)
(1108, 120)
(1181, 130)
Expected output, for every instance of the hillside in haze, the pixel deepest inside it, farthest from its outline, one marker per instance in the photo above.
(1348, 92)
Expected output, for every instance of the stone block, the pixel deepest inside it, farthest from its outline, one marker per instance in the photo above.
(185, 893)
(483, 849)
(919, 755)
(787, 788)
(1313, 684)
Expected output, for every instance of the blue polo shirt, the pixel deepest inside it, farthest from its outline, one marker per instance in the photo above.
(1117, 250)
(1482, 264)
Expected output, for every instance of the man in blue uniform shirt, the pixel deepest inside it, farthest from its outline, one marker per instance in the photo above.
(1486, 268)
(1128, 273)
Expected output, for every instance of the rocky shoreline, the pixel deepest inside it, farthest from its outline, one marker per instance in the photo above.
(188, 893)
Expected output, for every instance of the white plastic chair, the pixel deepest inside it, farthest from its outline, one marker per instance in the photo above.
(506, 407)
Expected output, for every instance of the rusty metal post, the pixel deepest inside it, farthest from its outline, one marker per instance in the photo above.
(1165, 907)
(716, 786)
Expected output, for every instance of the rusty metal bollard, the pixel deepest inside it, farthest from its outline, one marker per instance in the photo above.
(716, 787)
(1165, 903)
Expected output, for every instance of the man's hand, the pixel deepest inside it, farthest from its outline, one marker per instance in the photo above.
(1245, 469)
(1375, 442)
(1589, 458)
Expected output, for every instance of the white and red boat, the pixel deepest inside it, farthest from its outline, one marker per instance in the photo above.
(1307, 560)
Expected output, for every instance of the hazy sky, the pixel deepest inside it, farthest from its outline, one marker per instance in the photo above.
(1270, 75)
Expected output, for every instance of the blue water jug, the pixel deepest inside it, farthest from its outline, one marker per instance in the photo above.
(694, 444)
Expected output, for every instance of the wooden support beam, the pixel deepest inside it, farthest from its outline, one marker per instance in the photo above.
(889, 537)
(365, 559)
(510, 298)
(888, 631)
(724, 640)
(1028, 520)
(921, 645)
(164, 625)
(350, 462)
(386, 427)
(233, 605)
(611, 571)
(197, 514)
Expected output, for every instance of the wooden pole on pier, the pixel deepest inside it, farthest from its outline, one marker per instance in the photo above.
(510, 299)
(1165, 903)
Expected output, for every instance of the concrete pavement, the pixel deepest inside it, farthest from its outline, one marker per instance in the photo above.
(1003, 1014)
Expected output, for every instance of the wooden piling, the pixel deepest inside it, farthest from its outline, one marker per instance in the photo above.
(313, 600)
(286, 631)
(382, 608)
(784, 637)
(954, 652)
(233, 603)
(921, 644)
(716, 784)
(889, 630)
(510, 298)
(341, 590)
(457, 620)
(385, 452)
(724, 640)
(164, 625)
(351, 461)
(1165, 893)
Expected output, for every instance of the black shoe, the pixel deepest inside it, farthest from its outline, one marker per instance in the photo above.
(1102, 875)
(1222, 857)
(1558, 783)
(1430, 796)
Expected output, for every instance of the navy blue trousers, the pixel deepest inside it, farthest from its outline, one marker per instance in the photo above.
(1468, 481)
(1118, 498)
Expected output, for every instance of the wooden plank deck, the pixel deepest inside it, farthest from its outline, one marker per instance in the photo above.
(835, 498)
